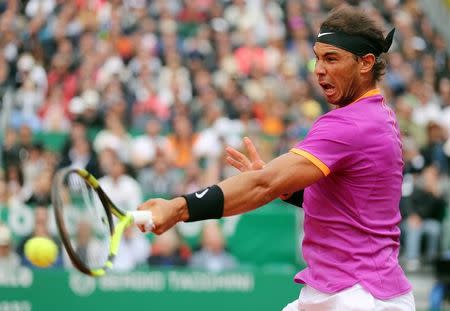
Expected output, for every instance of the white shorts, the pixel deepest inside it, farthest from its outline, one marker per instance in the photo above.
(355, 298)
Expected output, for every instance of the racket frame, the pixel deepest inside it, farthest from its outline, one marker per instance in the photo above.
(116, 231)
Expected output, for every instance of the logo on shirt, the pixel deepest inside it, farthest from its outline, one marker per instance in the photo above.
(201, 194)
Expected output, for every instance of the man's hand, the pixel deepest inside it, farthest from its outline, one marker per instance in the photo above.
(244, 164)
(241, 161)
(166, 213)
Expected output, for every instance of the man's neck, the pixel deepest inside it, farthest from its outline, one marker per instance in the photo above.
(368, 92)
(363, 92)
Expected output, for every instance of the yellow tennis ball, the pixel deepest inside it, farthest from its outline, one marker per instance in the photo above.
(41, 252)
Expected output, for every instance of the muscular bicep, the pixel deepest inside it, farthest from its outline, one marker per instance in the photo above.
(292, 172)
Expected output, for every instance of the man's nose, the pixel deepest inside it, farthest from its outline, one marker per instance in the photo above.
(319, 69)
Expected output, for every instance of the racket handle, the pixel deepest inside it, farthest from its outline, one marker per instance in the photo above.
(143, 218)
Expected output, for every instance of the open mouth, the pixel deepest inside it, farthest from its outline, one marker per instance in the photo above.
(327, 88)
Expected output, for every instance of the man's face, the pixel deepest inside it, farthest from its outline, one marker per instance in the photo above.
(337, 72)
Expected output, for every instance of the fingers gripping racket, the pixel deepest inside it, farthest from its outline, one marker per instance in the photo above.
(90, 225)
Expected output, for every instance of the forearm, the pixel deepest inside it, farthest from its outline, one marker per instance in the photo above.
(242, 193)
(247, 191)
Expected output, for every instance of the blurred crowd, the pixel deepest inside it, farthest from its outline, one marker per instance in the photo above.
(148, 94)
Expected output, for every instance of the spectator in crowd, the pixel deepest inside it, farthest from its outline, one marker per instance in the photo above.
(148, 102)
(25, 140)
(53, 114)
(174, 83)
(81, 155)
(181, 143)
(169, 250)
(114, 136)
(41, 192)
(9, 260)
(159, 178)
(134, 250)
(29, 70)
(122, 188)
(212, 255)
(14, 182)
(444, 95)
(86, 245)
(33, 166)
(192, 179)
(144, 148)
(90, 113)
(10, 148)
(424, 217)
(5, 198)
(404, 107)
(60, 75)
(441, 287)
(27, 104)
(433, 151)
(5, 81)
(79, 130)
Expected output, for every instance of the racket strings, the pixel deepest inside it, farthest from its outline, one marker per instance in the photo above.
(88, 222)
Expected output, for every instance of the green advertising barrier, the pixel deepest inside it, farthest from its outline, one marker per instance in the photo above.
(262, 289)
(266, 235)
(53, 141)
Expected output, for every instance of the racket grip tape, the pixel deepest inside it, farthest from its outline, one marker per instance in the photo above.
(143, 218)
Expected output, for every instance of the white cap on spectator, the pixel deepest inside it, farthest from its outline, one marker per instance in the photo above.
(168, 25)
(25, 62)
(112, 66)
(418, 43)
(224, 126)
(91, 98)
(447, 148)
(35, 7)
(149, 42)
(208, 144)
(76, 105)
(254, 91)
(219, 24)
(5, 235)
(135, 4)
(220, 78)
(229, 65)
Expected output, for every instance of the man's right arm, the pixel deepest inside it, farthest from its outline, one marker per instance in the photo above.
(243, 192)
(286, 173)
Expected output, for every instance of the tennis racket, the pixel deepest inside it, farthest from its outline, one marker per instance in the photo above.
(90, 225)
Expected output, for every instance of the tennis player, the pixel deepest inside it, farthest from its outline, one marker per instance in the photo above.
(350, 167)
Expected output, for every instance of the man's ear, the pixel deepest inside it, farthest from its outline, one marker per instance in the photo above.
(367, 61)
